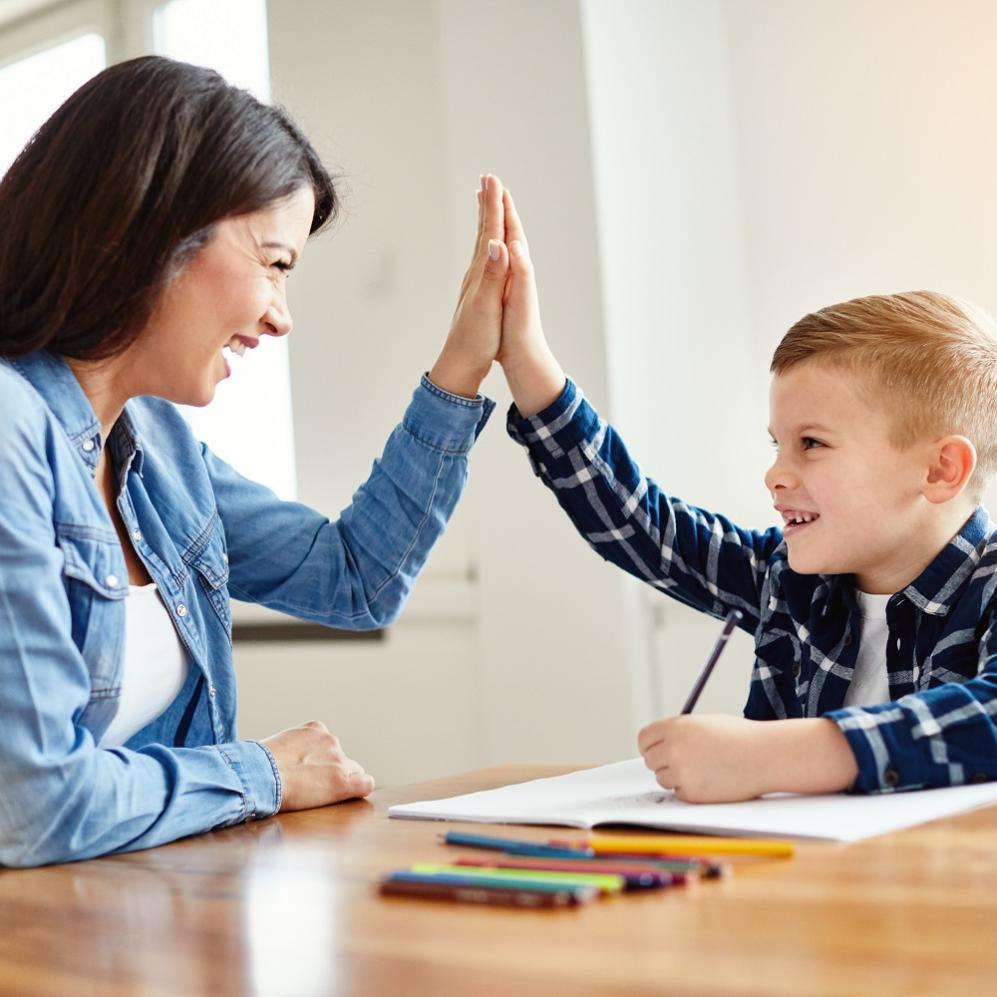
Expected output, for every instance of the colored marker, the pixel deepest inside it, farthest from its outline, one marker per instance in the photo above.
(602, 882)
(478, 894)
(667, 844)
(492, 882)
(701, 867)
(514, 846)
(636, 876)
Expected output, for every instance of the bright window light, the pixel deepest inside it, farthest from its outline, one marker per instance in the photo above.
(249, 423)
(33, 87)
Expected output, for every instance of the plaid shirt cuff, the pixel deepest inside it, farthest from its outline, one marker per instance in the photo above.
(881, 738)
(566, 422)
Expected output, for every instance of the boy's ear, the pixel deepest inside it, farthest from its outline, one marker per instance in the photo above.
(952, 462)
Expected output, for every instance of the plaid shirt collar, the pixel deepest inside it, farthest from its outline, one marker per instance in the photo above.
(937, 588)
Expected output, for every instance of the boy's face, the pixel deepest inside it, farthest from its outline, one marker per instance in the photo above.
(850, 501)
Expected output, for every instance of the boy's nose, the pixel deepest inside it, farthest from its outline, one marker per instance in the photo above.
(778, 477)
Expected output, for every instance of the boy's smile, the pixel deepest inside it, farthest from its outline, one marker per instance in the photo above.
(850, 500)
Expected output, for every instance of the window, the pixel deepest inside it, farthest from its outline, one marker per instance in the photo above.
(32, 87)
(249, 423)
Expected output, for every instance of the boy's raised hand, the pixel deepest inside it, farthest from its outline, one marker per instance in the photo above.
(476, 330)
(534, 375)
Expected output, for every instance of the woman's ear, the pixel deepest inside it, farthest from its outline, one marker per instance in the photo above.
(951, 464)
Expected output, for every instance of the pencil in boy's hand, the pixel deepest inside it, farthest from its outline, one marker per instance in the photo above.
(733, 618)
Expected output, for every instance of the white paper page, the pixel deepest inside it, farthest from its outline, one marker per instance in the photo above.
(625, 792)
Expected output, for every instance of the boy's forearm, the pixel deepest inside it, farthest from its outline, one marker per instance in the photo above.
(535, 379)
(808, 756)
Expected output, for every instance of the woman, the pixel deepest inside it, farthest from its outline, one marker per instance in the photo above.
(146, 230)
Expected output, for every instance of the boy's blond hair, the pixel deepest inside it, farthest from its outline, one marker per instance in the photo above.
(930, 359)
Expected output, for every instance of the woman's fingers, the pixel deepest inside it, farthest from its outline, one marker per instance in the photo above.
(360, 784)
(492, 216)
(496, 264)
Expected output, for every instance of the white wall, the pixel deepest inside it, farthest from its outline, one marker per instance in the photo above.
(412, 102)
(867, 152)
(687, 387)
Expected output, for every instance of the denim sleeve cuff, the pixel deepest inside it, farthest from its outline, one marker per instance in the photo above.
(443, 421)
(257, 770)
(880, 737)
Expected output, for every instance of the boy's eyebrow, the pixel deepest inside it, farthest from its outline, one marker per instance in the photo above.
(282, 245)
(805, 427)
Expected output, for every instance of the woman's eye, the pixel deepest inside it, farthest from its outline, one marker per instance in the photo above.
(809, 443)
(283, 266)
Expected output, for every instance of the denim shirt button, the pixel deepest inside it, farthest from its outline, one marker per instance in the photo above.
(181, 610)
(136, 534)
(88, 445)
(111, 581)
(211, 692)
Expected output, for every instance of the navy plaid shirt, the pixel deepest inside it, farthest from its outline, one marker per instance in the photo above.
(938, 730)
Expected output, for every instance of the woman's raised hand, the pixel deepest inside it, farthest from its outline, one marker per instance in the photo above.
(476, 329)
(534, 375)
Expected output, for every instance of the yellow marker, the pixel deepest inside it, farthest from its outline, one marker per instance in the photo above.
(677, 844)
(605, 883)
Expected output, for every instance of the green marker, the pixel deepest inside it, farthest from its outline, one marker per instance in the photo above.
(603, 882)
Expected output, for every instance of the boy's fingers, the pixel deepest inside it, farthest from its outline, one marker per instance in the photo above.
(519, 259)
(513, 225)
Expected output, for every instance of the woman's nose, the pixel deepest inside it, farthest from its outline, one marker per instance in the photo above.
(277, 318)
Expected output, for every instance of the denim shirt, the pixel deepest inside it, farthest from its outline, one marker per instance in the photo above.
(205, 534)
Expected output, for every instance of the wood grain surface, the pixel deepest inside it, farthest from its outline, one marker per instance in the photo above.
(289, 906)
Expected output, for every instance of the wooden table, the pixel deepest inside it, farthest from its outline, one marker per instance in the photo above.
(288, 906)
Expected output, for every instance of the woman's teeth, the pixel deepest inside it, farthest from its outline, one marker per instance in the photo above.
(236, 347)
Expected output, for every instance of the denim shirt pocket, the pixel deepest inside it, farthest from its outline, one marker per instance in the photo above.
(210, 565)
(96, 581)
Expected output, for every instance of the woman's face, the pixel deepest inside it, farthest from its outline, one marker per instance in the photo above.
(230, 294)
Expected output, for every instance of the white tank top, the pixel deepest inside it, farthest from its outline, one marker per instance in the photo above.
(871, 681)
(155, 665)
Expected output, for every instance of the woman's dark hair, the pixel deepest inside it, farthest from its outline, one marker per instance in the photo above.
(121, 187)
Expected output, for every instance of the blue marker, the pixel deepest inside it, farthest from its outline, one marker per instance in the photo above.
(513, 846)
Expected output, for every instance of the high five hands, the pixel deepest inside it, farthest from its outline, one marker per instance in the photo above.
(498, 313)
(497, 318)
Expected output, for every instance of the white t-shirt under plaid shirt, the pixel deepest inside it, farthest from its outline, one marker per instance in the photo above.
(937, 727)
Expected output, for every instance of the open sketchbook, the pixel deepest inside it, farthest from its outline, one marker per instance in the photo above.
(626, 793)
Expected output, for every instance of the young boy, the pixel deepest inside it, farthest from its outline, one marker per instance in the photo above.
(873, 607)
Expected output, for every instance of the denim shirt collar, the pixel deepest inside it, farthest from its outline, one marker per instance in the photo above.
(55, 381)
